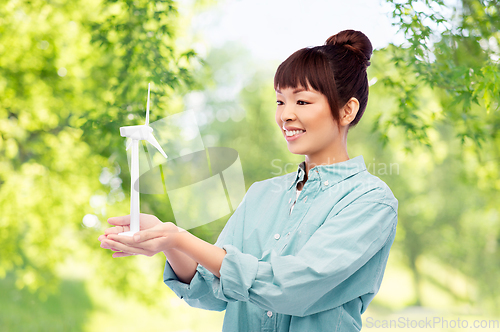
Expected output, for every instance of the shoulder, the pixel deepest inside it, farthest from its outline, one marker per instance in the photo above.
(368, 188)
(278, 184)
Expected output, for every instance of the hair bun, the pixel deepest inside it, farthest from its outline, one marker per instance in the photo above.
(355, 41)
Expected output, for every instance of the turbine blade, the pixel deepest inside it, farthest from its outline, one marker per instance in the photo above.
(147, 107)
(129, 143)
(152, 140)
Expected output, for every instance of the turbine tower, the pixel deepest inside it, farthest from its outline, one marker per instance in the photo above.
(136, 134)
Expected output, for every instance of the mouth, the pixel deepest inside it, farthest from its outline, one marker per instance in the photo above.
(293, 134)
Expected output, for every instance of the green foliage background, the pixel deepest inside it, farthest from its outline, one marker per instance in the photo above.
(73, 72)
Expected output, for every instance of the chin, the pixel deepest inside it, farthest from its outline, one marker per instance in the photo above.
(297, 151)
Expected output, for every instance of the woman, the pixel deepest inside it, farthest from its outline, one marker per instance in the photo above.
(305, 259)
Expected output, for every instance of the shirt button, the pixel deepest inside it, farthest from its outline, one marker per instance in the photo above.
(305, 199)
(277, 236)
(269, 314)
(325, 183)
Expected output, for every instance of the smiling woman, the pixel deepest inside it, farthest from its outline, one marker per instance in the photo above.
(313, 264)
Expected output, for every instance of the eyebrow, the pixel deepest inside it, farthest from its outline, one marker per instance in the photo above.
(294, 91)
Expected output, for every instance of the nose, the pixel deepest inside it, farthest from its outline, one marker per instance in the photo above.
(288, 114)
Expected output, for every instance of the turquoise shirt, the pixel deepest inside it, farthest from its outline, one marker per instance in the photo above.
(314, 269)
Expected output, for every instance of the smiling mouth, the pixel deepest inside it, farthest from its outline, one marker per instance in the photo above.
(294, 135)
(293, 132)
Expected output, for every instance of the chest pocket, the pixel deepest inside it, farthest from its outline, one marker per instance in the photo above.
(307, 230)
(315, 220)
(300, 237)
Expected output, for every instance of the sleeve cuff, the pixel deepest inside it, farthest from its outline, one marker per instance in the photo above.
(195, 289)
(237, 274)
(170, 279)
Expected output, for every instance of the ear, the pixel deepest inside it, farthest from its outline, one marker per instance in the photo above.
(349, 111)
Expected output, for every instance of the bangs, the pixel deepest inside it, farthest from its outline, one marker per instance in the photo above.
(308, 68)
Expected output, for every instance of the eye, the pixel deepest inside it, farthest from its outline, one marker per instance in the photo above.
(301, 102)
(279, 102)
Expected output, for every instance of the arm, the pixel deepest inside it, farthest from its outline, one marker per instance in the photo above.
(188, 252)
(200, 292)
(184, 267)
(197, 250)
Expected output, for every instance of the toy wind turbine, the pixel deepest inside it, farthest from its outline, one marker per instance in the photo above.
(136, 134)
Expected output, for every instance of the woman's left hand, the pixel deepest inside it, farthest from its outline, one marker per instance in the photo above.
(161, 237)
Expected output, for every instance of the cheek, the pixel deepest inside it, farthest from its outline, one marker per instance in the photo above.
(277, 117)
(324, 127)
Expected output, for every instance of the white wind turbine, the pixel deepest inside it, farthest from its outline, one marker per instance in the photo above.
(136, 134)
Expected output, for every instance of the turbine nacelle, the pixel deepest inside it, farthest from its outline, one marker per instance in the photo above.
(140, 132)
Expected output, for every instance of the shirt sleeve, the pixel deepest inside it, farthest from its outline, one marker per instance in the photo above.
(326, 271)
(199, 292)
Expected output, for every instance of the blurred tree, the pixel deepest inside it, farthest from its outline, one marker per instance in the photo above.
(71, 73)
(454, 49)
(450, 210)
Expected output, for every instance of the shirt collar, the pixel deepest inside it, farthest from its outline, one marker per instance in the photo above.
(332, 174)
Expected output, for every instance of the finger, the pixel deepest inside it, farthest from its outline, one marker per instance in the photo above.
(103, 236)
(105, 245)
(154, 245)
(127, 240)
(119, 221)
(116, 230)
(108, 245)
(127, 249)
(149, 234)
(122, 254)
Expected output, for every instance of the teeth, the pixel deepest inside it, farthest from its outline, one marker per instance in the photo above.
(293, 132)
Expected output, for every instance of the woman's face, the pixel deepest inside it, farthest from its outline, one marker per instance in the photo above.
(308, 112)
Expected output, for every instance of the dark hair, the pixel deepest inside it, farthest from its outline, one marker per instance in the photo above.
(336, 69)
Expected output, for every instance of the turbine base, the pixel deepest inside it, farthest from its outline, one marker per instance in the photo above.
(129, 233)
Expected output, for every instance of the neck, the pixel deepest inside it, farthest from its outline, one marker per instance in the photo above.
(335, 153)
